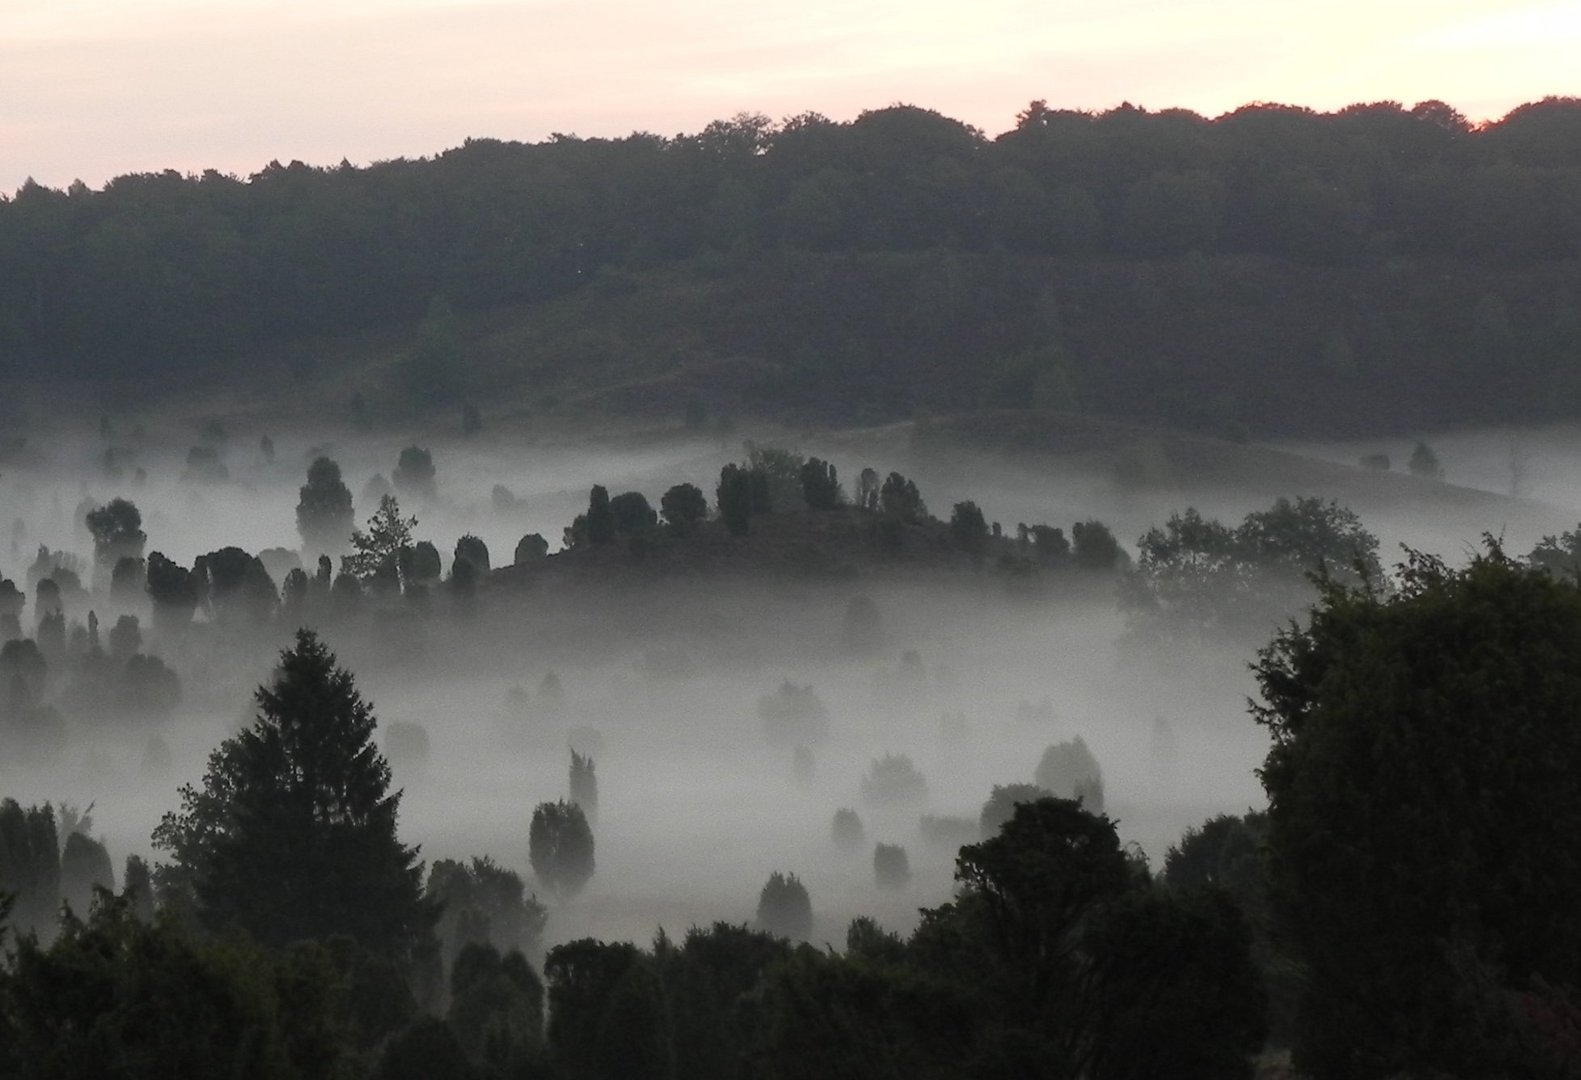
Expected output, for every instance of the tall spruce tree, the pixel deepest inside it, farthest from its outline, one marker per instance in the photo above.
(292, 834)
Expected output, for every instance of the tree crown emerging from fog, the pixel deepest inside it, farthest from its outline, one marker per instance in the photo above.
(292, 833)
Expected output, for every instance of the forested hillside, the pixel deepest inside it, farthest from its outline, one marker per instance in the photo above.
(1270, 271)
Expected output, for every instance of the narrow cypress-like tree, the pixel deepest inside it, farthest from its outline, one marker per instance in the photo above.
(584, 784)
(600, 519)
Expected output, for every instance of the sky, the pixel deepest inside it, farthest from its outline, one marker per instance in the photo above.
(91, 89)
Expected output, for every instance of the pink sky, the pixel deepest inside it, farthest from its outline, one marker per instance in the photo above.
(91, 89)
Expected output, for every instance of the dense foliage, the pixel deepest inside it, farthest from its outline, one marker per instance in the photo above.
(1424, 820)
(1273, 267)
(1199, 578)
(292, 834)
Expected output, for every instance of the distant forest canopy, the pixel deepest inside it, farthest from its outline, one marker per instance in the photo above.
(1270, 271)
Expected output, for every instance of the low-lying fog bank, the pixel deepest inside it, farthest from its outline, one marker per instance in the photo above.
(678, 688)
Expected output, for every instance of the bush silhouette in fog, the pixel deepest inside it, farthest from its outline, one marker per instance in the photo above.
(23, 673)
(1424, 463)
(1069, 770)
(414, 474)
(420, 565)
(473, 550)
(893, 779)
(148, 688)
(235, 586)
(1559, 555)
(497, 1008)
(682, 507)
(560, 847)
(584, 785)
(205, 466)
(504, 500)
(117, 530)
(12, 601)
(84, 866)
(734, 498)
(862, 631)
(1093, 547)
(846, 830)
(137, 886)
(891, 866)
(820, 485)
(901, 501)
(30, 867)
(867, 489)
(484, 903)
(530, 549)
(598, 524)
(632, 513)
(323, 511)
(125, 638)
(968, 529)
(784, 908)
(1002, 803)
(794, 715)
(426, 1048)
(803, 765)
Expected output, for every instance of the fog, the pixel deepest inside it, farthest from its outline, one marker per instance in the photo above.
(661, 675)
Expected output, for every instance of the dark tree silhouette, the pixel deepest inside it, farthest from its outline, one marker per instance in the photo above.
(414, 474)
(820, 485)
(891, 866)
(530, 549)
(632, 513)
(1069, 770)
(292, 834)
(584, 785)
(560, 847)
(968, 529)
(734, 497)
(846, 829)
(323, 510)
(784, 908)
(900, 499)
(1420, 737)
(474, 551)
(84, 866)
(600, 521)
(29, 867)
(174, 592)
(1001, 805)
(378, 549)
(117, 530)
(683, 506)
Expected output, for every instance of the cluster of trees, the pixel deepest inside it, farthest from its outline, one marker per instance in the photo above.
(1423, 860)
(67, 661)
(891, 518)
(294, 937)
(1198, 578)
(1374, 247)
(1057, 956)
(1402, 908)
